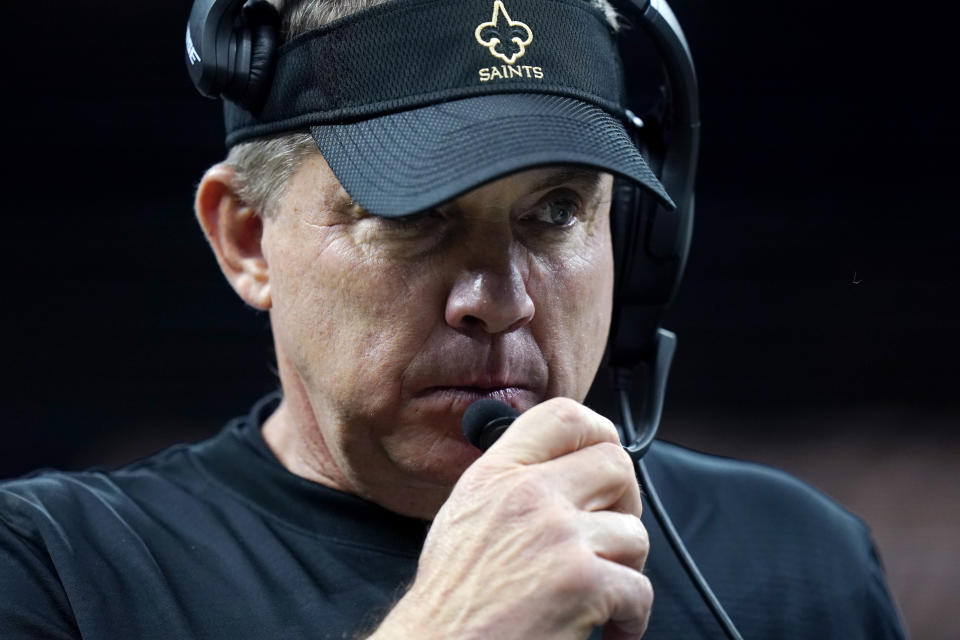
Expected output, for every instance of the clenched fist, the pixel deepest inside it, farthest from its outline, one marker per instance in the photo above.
(540, 538)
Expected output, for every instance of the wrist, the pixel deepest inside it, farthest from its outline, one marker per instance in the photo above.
(403, 622)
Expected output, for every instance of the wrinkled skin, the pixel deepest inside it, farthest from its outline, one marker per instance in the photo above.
(386, 330)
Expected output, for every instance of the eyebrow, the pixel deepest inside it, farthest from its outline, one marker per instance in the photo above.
(588, 178)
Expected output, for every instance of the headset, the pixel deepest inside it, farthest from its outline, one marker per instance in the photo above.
(231, 51)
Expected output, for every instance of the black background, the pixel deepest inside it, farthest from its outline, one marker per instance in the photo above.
(822, 281)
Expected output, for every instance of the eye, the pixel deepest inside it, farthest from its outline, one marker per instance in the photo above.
(557, 210)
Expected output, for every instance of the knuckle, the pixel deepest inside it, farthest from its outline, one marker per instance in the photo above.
(641, 540)
(615, 462)
(615, 455)
(642, 535)
(528, 493)
(634, 599)
(557, 518)
(555, 529)
(565, 411)
(581, 575)
(641, 600)
(644, 590)
(624, 458)
(575, 418)
(533, 499)
(608, 426)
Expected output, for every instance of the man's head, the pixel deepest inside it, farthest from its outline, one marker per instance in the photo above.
(387, 328)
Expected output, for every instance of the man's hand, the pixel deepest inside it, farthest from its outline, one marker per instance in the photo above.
(540, 538)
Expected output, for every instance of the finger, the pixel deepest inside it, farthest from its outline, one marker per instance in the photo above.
(598, 477)
(551, 429)
(618, 537)
(631, 600)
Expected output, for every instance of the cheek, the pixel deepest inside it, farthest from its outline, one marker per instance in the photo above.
(348, 321)
(573, 317)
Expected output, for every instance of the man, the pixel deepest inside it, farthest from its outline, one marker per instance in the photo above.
(414, 258)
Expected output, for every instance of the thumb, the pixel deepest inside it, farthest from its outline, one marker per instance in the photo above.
(552, 429)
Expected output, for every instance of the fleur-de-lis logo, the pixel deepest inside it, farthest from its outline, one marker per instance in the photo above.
(506, 39)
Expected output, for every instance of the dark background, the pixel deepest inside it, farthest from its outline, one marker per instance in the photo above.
(816, 321)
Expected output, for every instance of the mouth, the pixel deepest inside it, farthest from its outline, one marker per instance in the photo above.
(458, 398)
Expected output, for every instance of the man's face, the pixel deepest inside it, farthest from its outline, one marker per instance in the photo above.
(386, 330)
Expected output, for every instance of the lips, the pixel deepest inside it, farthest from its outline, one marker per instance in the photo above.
(450, 375)
(478, 381)
(458, 392)
(493, 384)
(502, 392)
(457, 398)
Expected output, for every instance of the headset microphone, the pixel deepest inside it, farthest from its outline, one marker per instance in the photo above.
(485, 420)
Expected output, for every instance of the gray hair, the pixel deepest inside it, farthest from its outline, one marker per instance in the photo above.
(263, 167)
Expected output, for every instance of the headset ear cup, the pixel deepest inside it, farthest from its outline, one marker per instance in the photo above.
(264, 24)
(625, 230)
(263, 59)
(623, 210)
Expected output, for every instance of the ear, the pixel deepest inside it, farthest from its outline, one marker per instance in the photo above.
(234, 231)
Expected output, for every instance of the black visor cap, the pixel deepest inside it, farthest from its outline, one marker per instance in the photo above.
(405, 162)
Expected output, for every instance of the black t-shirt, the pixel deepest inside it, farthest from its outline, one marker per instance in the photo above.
(219, 540)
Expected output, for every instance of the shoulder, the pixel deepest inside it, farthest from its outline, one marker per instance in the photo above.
(780, 530)
(782, 553)
(46, 503)
(742, 489)
(781, 550)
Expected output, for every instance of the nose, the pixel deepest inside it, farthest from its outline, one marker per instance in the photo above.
(491, 296)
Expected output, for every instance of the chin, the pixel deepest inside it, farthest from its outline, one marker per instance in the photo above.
(441, 465)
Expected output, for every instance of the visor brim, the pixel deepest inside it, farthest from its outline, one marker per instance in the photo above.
(404, 162)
